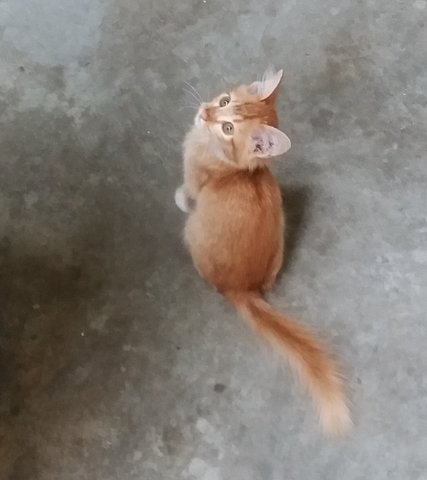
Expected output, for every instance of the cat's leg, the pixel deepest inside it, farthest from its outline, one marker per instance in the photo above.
(182, 200)
(186, 194)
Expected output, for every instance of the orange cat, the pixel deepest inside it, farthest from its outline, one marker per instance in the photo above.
(235, 231)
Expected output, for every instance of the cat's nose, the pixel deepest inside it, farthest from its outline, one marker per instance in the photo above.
(204, 114)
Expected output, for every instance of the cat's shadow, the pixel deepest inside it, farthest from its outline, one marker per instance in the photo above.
(296, 204)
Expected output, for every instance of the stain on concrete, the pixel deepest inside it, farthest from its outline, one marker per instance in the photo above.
(219, 387)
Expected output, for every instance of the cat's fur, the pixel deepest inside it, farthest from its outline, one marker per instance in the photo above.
(235, 231)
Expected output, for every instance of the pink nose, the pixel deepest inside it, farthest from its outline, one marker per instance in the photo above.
(204, 114)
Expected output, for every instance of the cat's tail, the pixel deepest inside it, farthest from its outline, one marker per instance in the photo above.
(307, 357)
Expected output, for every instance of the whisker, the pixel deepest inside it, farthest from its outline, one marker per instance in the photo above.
(193, 95)
(195, 105)
(188, 106)
(194, 90)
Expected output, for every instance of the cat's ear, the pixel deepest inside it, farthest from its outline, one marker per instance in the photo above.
(268, 142)
(267, 85)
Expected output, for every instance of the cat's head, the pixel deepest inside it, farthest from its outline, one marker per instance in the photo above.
(242, 124)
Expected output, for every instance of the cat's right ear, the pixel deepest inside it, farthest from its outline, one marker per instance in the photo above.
(267, 142)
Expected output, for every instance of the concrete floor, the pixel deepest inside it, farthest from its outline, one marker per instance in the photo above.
(117, 361)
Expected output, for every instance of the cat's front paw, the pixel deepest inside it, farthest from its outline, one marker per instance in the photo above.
(181, 199)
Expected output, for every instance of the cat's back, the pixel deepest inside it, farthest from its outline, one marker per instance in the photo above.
(236, 227)
(242, 190)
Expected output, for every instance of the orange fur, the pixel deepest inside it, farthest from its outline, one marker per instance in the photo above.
(235, 231)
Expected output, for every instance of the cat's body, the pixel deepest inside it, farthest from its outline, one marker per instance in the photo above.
(235, 231)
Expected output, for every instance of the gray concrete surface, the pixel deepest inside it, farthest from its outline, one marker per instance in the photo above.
(117, 362)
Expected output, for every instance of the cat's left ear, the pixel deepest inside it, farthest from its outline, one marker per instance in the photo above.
(266, 87)
(268, 142)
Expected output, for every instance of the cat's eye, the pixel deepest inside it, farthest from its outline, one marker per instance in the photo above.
(228, 128)
(224, 101)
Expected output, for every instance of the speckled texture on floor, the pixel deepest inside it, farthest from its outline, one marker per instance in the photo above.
(117, 361)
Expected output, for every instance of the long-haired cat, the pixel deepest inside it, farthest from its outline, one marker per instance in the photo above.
(235, 230)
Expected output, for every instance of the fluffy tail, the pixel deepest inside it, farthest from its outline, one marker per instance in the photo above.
(312, 364)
